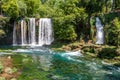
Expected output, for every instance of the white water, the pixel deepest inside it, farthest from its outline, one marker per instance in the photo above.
(23, 32)
(100, 32)
(45, 32)
(30, 35)
(32, 31)
(14, 35)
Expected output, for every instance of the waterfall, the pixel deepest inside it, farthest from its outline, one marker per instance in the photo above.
(14, 35)
(45, 32)
(27, 33)
(100, 32)
(32, 31)
(23, 32)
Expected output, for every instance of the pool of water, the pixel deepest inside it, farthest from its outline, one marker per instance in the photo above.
(41, 63)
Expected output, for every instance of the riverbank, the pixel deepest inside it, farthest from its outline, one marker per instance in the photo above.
(109, 54)
(7, 69)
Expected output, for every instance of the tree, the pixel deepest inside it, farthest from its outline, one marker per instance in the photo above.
(67, 15)
(32, 7)
(10, 8)
(22, 8)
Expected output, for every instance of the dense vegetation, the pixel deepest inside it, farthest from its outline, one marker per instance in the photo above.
(72, 19)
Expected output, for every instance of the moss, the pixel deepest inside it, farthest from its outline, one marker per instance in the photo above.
(2, 78)
(1, 67)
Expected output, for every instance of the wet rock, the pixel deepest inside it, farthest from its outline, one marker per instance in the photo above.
(8, 70)
(66, 48)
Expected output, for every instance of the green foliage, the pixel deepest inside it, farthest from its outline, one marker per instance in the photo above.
(3, 21)
(2, 78)
(10, 8)
(22, 8)
(92, 28)
(113, 32)
(107, 53)
(32, 7)
(2, 33)
(93, 6)
(67, 16)
(1, 67)
(116, 30)
(117, 4)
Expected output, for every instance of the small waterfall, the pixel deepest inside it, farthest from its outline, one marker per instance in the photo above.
(32, 31)
(14, 35)
(27, 34)
(100, 32)
(45, 32)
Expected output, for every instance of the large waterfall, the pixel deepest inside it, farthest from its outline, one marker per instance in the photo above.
(27, 33)
(100, 32)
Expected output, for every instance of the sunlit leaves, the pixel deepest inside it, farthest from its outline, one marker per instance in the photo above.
(10, 8)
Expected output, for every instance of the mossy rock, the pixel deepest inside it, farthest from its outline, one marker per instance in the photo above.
(74, 46)
(88, 49)
(97, 50)
(66, 48)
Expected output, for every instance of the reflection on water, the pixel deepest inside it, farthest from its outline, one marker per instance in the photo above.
(69, 65)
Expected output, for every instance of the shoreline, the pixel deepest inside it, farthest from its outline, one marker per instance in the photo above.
(107, 53)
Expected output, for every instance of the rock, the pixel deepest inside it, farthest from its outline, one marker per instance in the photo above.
(9, 57)
(8, 70)
(66, 48)
(97, 50)
(82, 41)
(90, 42)
(77, 49)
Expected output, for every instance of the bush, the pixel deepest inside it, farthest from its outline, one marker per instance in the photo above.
(108, 53)
(112, 32)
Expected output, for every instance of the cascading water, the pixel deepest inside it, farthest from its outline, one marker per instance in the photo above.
(14, 35)
(24, 34)
(100, 32)
(32, 35)
(45, 32)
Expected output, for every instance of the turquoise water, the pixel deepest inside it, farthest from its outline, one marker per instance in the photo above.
(41, 63)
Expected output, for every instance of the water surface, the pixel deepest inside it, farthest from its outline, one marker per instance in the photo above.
(41, 63)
